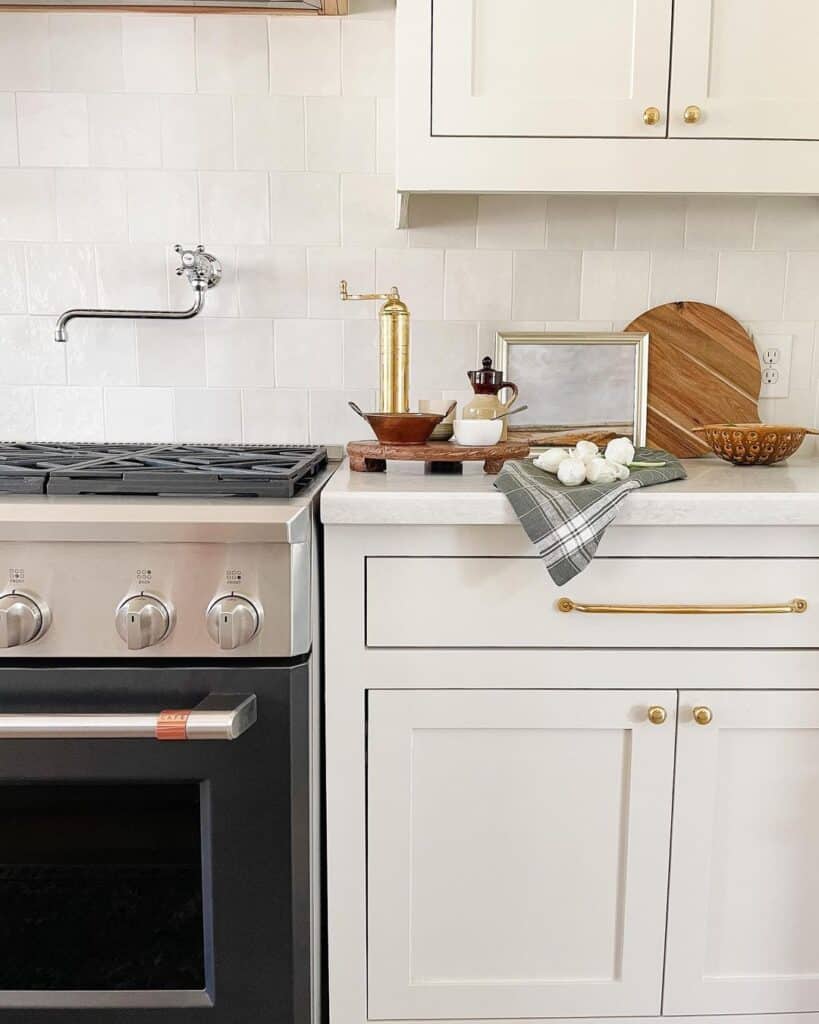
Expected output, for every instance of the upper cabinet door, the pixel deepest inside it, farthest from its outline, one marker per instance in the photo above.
(517, 853)
(748, 67)
(743, 928)
(550, 68)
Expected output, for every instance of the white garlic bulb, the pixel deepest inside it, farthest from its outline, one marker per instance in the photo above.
(571, 471)
(551, 459)
(601, 471)
(585, 450)
(620, 450)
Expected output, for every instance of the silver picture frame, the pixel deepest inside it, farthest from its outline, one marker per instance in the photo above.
(575, 381)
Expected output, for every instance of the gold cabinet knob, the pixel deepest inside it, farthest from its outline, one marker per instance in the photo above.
(703, 716)
(657, 715)
(692, 114)
(651, 115)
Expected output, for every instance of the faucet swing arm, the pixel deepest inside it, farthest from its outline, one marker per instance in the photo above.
(203, 272)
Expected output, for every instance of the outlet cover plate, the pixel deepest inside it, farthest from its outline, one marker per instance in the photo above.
(783, 343)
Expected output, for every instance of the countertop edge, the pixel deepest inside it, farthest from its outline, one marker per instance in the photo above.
(717, 502)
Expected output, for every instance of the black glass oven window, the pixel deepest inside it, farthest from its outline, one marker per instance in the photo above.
(101, 887)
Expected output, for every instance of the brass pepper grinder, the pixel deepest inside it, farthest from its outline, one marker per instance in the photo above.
(393, 348)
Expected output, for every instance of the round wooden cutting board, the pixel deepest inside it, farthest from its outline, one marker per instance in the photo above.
(702, 368)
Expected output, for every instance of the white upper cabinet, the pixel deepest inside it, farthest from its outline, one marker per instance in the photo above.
(517, 853)
(743, 932)
(548, 68)
(591, 96)
(748, 66)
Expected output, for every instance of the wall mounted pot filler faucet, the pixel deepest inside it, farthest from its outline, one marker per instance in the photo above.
(202, 270)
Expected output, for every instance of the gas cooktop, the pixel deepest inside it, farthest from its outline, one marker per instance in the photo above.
(278, 471)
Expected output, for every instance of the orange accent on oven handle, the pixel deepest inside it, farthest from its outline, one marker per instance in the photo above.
(172, 725)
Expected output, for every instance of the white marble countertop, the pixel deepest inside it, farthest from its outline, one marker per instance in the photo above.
(715, 494)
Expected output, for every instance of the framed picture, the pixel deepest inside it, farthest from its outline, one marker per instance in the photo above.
(577, 384)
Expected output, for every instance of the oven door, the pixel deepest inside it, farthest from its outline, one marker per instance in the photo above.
(140, 874)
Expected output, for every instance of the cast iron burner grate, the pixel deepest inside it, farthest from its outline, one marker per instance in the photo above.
(279, 471)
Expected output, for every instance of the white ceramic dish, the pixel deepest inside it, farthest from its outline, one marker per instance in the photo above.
(477, 433)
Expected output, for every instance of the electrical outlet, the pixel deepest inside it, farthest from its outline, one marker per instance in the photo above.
(775, 359)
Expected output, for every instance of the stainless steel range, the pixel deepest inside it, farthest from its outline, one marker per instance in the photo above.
(159, 719)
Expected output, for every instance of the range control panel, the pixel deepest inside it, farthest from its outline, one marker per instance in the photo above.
(168, 600)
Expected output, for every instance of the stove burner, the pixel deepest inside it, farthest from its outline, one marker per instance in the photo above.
(165, 470)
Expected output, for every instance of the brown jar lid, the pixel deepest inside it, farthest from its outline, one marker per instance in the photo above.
(486, 380)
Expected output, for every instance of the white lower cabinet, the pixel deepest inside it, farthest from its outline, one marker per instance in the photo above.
(536, 816)
(743, 925)
(518, 853)
(518, 848)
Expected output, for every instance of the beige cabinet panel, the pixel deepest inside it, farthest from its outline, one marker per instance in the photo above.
(517, 853)
(548, 68)
(743, 927)
(749, 66)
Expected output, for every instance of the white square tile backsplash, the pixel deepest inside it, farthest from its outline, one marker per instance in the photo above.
(271, 140)
(25, 63)
(124, 131)
(60, 276)
(197, 132)
(92, 207)
(85, 56)
(52, 129)
(158, 54)
(269, 133)
(231, 56)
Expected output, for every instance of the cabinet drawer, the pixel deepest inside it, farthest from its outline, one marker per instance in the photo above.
(512, 602)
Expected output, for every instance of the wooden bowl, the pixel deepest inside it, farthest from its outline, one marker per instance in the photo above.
(753, 444)
(401, 427)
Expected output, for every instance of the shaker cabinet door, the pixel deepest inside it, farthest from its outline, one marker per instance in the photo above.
(743, 925)
(550, 68)
(517, 853)
(749, 66)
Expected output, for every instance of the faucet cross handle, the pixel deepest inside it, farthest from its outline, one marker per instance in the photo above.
(203, 270)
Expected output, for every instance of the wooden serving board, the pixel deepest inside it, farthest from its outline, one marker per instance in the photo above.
(563, 438)
(702, 368)
(371, 456)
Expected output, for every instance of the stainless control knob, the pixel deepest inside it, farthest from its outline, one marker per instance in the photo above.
(22, 619)
(232, 621)
(143, 620)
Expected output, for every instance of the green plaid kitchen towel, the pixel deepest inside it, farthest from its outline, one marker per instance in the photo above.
(567, 523)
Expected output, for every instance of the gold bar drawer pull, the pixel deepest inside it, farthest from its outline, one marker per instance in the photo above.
(798, 604)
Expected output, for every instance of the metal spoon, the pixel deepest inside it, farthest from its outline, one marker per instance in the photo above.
(518, 408)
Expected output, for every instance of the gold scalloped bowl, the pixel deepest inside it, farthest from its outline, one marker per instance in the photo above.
(753, 444)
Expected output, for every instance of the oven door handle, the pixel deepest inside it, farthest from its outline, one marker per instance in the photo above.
(221, 716)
